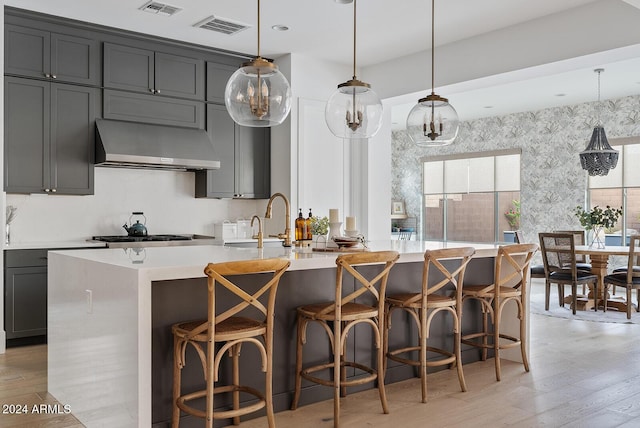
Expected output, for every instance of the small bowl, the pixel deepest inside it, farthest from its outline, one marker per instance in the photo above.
(344, 241)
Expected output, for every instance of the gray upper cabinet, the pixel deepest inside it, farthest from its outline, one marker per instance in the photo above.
(245, 159)
(217, 77)
(42, 54)
(49, 137)
(141, 70)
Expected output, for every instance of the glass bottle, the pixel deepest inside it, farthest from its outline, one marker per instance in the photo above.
(300, 226)
(308, 222)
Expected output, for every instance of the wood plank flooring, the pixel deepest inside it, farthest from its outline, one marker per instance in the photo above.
(583, 374)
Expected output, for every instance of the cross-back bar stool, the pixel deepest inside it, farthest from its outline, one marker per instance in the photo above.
(511, 273)
(229, 330)
(341, 315)
(441, 291)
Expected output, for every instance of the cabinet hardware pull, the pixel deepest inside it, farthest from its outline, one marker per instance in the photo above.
(89, 301)
(53, 76)
(54, 190)
(47, 75)
(153, 91)
(47, 190)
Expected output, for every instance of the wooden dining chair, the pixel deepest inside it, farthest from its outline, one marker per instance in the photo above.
(338, 317)
(440, 291)
(560, 265)
(510, 283)
(581, 260)
(629, 278)
(228, 331)
(536, 271)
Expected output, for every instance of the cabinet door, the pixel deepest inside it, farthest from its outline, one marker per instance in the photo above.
(217, 77)
(26, 51)
(253, 160)
(73, 114)
(25, 301)
(179, 76)
(219, 183)
(26, 135)
(128, 68)
(75, 59)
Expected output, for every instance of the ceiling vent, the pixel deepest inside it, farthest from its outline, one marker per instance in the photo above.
(222, 25)
(160, 8)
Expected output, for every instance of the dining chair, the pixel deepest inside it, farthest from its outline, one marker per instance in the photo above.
(337, 318)
(510, 284)
(560, 266)
(536, 271)
(628, 278)
(228, 331)
(581, 259)
(441, 291)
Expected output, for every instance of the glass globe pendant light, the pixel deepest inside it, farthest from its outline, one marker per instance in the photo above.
(354, 110)
(433, 122)
(258, 94)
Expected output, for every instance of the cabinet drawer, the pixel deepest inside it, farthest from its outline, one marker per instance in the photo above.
(25, 258)
(134, 107)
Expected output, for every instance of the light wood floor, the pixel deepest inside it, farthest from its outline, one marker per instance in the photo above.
(583, 374)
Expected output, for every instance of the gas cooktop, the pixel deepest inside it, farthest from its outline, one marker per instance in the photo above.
(120, 241)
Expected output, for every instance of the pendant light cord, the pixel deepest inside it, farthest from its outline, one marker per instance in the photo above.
(433, 32)
(599, 106)
(258, 28)
(354, 39)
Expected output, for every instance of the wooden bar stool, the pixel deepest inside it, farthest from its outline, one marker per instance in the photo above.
(435, 296)
(339, 317)
(229, 330)
(511, 272)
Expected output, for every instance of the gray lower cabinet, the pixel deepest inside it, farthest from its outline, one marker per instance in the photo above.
(142, 70)
(25, 293)
(49, 137)
(42, 54)
(245, 159)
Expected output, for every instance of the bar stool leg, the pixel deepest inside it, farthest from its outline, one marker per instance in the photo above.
(177, 373)
(235, 356)
(269, 381)
(497, 314)
(301, 323)
(381, 368)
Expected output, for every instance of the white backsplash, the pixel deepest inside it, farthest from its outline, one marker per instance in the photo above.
(166, 198)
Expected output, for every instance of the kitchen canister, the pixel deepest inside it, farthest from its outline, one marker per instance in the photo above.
(225, 230)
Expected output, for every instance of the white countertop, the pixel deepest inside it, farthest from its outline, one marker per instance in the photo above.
(34, 245)
(162, 263)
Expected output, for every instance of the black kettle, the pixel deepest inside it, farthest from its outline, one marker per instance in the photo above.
(137, 228)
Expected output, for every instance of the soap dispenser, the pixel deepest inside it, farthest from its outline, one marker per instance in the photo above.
(300, 227)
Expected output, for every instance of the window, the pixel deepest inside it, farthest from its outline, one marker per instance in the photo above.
(620, 188)
(466, 196)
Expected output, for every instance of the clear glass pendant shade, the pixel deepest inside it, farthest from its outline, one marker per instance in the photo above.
(354, 110)
(433, 122)
(258, 95)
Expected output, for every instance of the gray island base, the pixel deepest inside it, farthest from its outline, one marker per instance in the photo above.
(110, 344)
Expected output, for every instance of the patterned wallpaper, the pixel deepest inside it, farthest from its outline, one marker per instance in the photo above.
(552, 181)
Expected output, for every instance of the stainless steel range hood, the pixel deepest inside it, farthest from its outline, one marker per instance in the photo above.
(141, 145)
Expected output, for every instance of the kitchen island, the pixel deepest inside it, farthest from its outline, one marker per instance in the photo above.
(110, 311)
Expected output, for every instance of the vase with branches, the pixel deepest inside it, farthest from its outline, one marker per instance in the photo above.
(513, 215)
(597, 220)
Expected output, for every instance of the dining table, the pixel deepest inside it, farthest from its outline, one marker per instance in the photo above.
(599, 258)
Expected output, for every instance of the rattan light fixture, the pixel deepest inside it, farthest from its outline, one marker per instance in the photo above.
(599, 157)
(354, 110)
(433, 122)
(258, 94)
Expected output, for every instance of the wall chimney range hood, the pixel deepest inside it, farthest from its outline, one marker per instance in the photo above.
(141, 145)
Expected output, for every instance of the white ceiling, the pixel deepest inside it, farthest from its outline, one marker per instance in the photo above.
(386, 30)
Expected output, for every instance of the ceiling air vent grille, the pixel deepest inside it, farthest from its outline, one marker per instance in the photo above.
(222, 25)
(160, 8)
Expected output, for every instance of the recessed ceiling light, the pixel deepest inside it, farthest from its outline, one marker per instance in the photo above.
(488, 106)
(344, 1)
(561, 95)
(280, 27)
